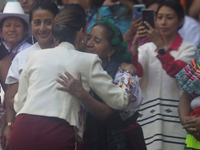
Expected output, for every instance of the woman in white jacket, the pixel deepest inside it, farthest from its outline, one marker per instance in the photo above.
(45, 116)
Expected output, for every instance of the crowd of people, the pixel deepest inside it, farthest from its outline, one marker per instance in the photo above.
(87, 75)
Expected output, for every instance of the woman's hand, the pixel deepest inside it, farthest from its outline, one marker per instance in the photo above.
(128, 68)
(140, 34)
(110, 3)
(154, 36)
(192, 125)
(132, 30)
(5, 137)
(71, 85)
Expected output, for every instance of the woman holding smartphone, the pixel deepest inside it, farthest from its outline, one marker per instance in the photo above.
(157, 64)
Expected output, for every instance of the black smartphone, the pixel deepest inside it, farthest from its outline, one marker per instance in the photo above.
(148, 16)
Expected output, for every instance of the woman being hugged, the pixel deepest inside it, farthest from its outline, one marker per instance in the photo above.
(106, 40)
(41, 18)
(157, 64)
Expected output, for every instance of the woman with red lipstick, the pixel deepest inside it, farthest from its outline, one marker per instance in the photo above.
(41, 18)
(157, 64)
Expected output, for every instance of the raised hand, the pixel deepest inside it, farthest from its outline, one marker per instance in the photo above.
(132, 30)
(154, 36)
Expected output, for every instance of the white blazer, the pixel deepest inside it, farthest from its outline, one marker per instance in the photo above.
(37, 93)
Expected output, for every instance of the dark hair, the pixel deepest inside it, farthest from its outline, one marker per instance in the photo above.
(97, 3)
(25, 25)
(176, 6)
(151, 2)
(76, 7)
(120, 47)
(59, 2)
(43, 4)
(66, 25)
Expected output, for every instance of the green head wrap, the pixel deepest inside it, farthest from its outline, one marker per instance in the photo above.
(117, 41)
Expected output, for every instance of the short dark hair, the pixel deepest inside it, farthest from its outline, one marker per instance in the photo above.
(43, 4)
(97, 3)
(176, 6)
(66, 25)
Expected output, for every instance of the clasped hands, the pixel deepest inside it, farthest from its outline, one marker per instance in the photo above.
(191, 124)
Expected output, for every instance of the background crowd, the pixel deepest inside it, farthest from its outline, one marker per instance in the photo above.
(141, 92)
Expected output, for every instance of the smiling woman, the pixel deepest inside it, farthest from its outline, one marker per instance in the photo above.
(41, 16)
(14, 28)
(41, 26)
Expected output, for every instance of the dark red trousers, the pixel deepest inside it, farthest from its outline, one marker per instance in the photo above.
(31, 132)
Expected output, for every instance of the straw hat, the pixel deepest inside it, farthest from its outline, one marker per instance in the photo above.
(14, 9)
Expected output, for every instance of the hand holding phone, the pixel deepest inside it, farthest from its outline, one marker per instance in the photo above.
(148, 16)
(153, 35)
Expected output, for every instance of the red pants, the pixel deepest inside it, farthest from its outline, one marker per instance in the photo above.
(31, 132)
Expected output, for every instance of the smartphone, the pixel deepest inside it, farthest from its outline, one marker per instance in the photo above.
(148, 16)
(137, 10)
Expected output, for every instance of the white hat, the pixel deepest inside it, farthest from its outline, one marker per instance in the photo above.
(14, 9)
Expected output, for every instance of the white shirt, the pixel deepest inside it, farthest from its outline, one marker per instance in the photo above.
(190, 30)
(18, 64)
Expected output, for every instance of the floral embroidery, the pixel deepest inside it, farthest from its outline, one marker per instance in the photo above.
(130, 85)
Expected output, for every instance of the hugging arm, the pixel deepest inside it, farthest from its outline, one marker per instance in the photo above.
(99, 110)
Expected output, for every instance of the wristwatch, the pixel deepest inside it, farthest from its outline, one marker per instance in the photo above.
(161, 51)
(9, 124)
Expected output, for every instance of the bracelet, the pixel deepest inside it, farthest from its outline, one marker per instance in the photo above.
(9, 124)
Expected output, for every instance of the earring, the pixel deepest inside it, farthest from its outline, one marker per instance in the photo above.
(82, 41)
(33, 42)
(109, 59)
